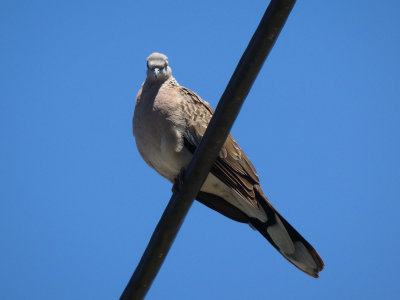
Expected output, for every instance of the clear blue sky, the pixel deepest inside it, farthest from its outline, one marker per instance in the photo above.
(321, 125)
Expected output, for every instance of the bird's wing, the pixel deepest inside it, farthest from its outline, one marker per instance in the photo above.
(231, 166)
(234, 169)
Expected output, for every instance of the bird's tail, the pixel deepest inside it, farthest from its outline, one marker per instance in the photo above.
(287, 240)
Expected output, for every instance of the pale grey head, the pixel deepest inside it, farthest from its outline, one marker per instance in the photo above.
(157, 67)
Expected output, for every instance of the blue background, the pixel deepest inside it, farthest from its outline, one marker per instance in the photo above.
(321, 125)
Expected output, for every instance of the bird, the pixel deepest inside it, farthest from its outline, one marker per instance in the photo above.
(169, 122)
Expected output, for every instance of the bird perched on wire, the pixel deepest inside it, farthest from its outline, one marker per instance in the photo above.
(168, 124)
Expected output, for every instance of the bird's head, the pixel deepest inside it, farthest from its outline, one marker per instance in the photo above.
(157, 67)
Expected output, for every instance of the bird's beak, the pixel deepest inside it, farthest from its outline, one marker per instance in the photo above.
(156, 72)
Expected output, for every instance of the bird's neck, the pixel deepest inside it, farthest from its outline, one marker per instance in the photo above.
(156, 84)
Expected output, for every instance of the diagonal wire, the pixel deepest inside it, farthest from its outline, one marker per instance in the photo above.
(220, 125)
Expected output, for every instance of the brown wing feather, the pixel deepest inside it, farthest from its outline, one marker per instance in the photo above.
(232, 166)
(234, 169)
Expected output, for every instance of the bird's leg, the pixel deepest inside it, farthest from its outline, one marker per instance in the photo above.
(178, 181)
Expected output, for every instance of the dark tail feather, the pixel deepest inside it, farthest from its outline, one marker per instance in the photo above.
(287, 240)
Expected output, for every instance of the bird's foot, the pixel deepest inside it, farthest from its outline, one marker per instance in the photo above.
(178, 181)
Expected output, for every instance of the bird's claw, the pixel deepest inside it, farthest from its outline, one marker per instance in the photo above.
(178, 181)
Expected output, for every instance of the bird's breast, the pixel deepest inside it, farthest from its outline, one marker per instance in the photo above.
(158, 132)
